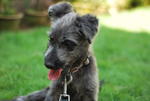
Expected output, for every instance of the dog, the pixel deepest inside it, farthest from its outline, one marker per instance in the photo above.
(69, 56)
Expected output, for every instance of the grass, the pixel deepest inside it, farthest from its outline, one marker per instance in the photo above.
(122, 57)
(124, 61)
(21, 58)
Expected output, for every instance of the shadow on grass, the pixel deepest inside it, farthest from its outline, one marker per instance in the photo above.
(121, 55)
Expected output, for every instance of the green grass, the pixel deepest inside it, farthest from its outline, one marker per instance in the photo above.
(124, 61)
(122, 57)
(21, 62)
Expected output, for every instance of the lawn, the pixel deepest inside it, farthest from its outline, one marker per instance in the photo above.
(122, 57)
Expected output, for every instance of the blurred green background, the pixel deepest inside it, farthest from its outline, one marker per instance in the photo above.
(121, 47)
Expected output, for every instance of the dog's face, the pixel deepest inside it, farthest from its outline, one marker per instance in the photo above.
(69, 40)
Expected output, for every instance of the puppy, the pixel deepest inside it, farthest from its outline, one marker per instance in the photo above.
(68, 55)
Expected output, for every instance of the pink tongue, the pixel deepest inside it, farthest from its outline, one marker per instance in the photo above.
(54, 74)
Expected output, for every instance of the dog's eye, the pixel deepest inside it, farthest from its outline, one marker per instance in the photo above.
(70, 45)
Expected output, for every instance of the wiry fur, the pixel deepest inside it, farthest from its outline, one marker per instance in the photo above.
(68, 48)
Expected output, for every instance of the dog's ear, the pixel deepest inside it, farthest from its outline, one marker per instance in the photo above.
(88, 25)
(60, 9)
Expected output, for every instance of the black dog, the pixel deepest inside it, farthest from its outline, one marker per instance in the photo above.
(68, 55)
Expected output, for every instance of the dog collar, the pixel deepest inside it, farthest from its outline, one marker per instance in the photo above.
(86, 62)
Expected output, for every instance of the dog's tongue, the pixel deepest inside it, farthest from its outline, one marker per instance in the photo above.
(54, 74)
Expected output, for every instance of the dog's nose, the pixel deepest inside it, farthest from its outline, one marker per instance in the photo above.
(56, 65)
(49, 65)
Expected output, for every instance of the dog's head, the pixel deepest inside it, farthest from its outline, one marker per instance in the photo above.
(70, 37)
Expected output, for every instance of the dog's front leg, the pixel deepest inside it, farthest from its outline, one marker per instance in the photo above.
(35, 96)
(52, 96)
(89, 96)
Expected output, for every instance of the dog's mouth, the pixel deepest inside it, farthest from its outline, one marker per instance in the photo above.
(54, 74)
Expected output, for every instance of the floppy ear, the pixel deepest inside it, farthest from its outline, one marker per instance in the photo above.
(89, 25)
(60, 9)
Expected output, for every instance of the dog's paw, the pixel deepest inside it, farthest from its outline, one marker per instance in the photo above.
(21, 98)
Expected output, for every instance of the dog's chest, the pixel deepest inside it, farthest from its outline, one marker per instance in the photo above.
(75, 89)
(75, 92)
